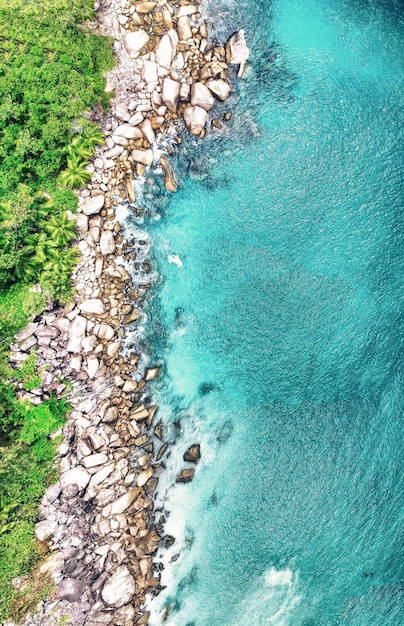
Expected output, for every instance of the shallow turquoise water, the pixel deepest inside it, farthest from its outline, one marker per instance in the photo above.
(281, 332)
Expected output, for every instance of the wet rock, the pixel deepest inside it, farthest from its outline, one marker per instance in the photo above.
(185, 476)
(169, 180)
(133, 316)
(237, 51)
(152, 373)
(70, 589)
(159, 430)
(219, 88)
(107, 243)
(195, 119)
(120, 588)
(193, 454)
(91, 206)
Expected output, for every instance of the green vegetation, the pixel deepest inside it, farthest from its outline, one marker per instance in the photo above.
(51, 77)
(51, 71)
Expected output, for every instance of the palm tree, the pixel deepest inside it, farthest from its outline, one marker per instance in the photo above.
(79, 147)
(75, 175)
(93, 135)
(60, 229)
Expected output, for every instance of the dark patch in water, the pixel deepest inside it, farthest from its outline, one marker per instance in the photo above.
(214, 499)
(206, 388)
(179, 317)
(189, 580)
(271, 73)
(225, 432)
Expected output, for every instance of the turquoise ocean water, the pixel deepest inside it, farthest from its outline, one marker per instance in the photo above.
(279, 323)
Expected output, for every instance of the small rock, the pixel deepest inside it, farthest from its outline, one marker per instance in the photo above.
(77, 333)
(185, 476)
(94, 459)
(124, 502)
(193, 454)
(171, 93)
(184, 28)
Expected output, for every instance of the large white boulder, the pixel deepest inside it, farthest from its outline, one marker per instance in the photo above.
(93, 306)
(75, 476)
(135, 41)
(150, 74)
(77, 332)
(171, 93)
(195, 119)
(120, 588)
(91, 206)
(167, 49)
(142, 156)
(184, 28)
(237, 51)
(201, 96)
(107, 243)
(127, 131)
(219, 88)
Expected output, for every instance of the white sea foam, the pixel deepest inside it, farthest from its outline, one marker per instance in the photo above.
(271, 600)
(174, 258)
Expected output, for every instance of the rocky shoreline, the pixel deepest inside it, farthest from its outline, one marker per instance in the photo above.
(98, 520)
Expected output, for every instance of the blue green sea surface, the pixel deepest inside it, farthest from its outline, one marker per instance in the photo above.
(279, 322)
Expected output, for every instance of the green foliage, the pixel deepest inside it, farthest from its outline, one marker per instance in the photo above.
(28, 373)
(51, 70)
(26, 469)
(51, 74)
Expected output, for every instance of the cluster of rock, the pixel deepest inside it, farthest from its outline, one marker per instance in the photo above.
(167, 71)
(98, 520)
